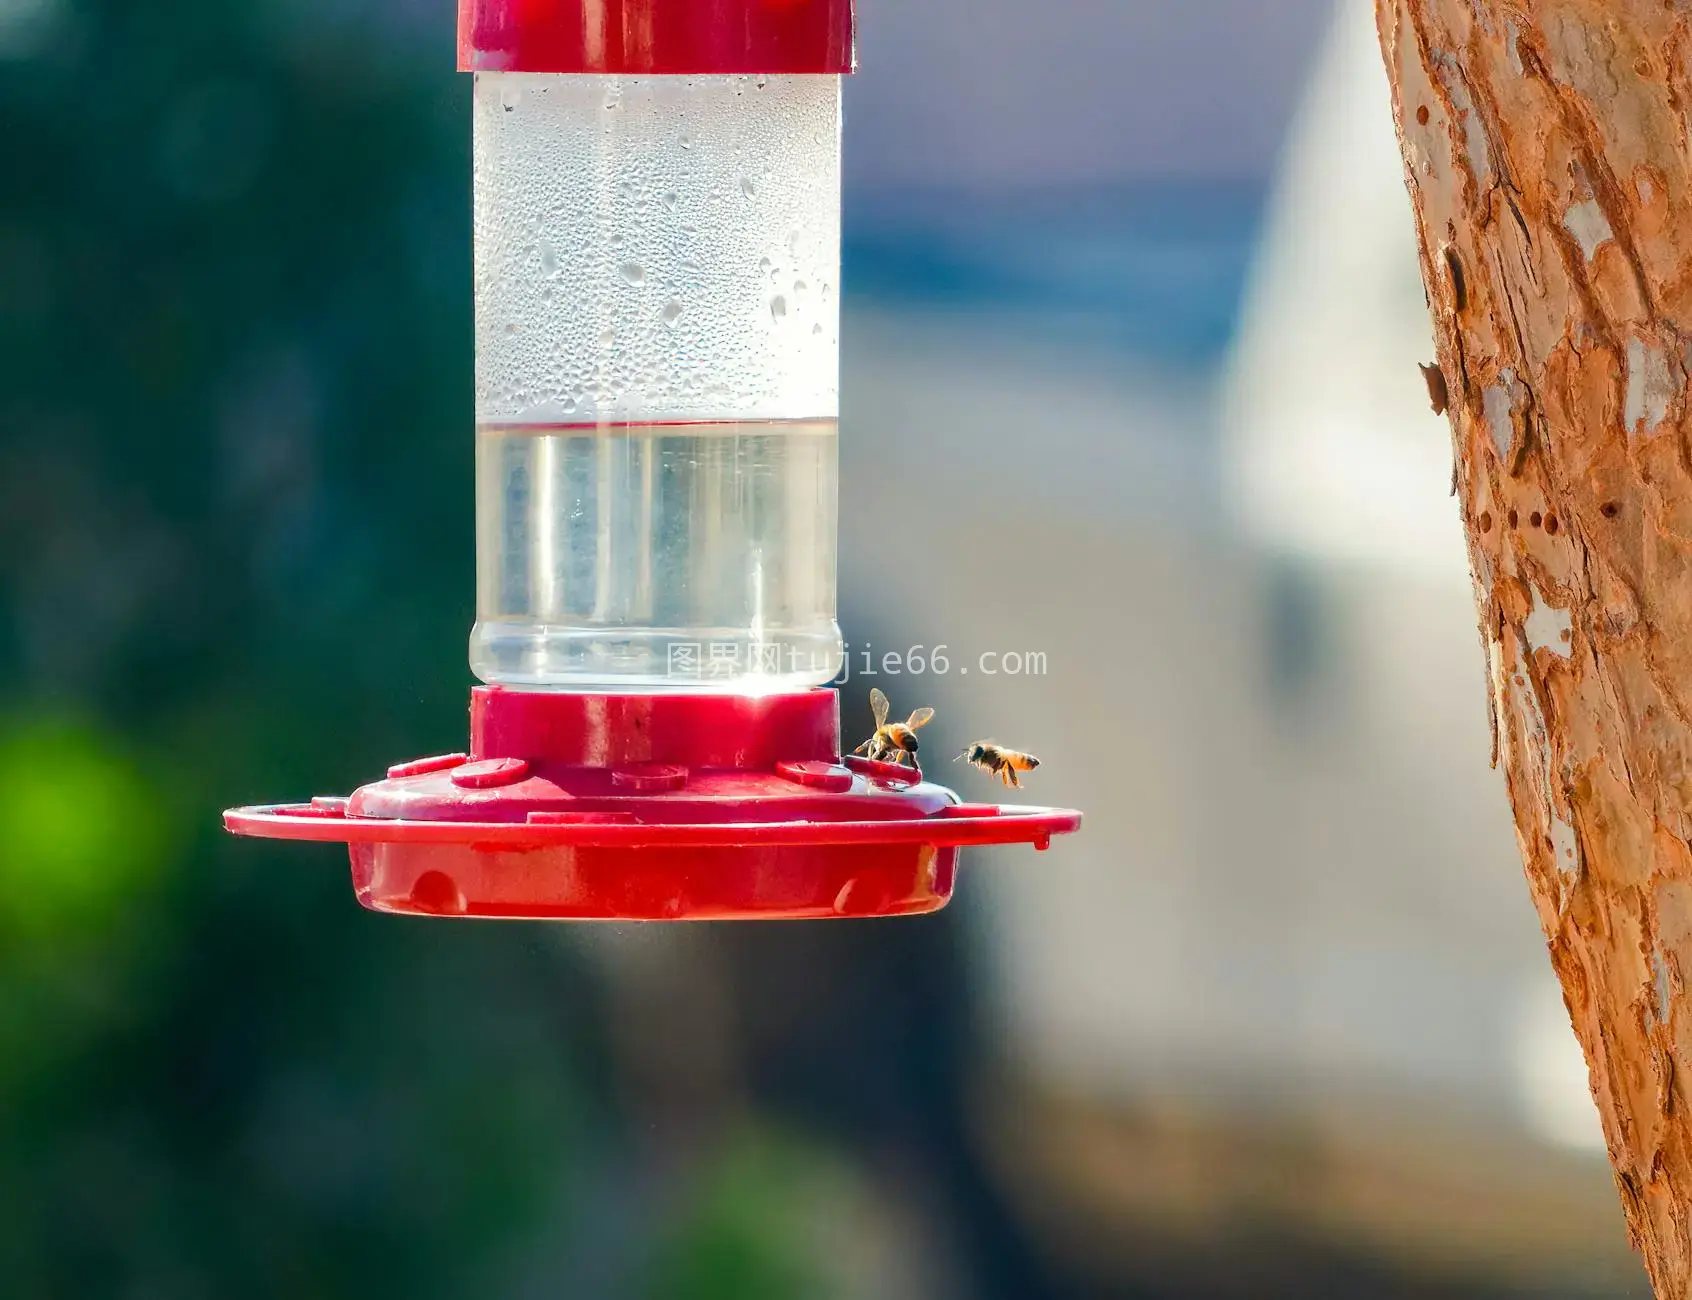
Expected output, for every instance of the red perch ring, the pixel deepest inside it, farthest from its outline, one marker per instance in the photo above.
(653, 808)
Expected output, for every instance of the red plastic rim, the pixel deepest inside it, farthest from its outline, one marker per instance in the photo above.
(652, 807)
(656, 36)
(1005, 824)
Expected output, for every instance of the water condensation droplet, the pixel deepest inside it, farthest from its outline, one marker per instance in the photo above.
(633, 272)
(686, 141)
(673, 312)
(607, 337)
(778, 307)
(764, 265)
(799, 288)
(816, 329)
(747, 187)
(670, 199)
(548, 258)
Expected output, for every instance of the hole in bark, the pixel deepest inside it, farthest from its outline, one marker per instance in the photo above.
(1550, 523)
(1534, 519)
(1513, 518)
(1485, 521)
(1609, 510)
(1454, 272)
(1422, 115)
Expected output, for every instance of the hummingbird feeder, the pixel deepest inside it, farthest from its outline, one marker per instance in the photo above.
(657, 259)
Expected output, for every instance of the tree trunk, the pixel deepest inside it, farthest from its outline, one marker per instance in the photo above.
(1548, 153)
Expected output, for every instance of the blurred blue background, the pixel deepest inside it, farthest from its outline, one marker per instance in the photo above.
(1133, 283)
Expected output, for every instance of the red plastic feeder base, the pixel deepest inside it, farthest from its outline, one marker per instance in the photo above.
(653, 808)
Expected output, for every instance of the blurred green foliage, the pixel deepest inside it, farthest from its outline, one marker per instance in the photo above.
(750, 1227)
(85, 830)
(236, 565)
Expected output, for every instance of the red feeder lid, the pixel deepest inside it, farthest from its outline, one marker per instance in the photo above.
(656, 36)
(653, 807)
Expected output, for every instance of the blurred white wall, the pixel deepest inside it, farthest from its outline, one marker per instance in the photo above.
(1297, 894)
(1003, 94)
(1289, 875)
(1333, 452)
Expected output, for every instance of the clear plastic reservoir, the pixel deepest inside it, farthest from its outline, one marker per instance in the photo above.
(657, 343)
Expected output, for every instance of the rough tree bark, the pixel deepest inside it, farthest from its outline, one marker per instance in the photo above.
(1548, 153)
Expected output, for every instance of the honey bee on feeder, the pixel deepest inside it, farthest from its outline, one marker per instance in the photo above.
(893, 742)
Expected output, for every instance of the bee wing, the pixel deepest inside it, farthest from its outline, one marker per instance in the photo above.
(878, 706)
(919, 719)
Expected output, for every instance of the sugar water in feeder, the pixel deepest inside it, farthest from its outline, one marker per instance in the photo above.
(657, 343)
